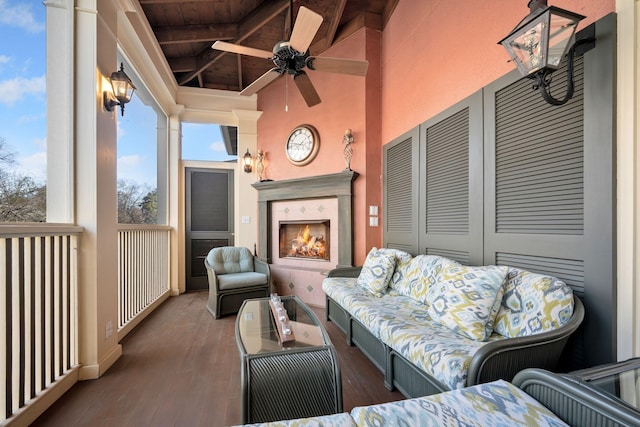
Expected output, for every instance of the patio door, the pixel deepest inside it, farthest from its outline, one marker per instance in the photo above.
(209, 219)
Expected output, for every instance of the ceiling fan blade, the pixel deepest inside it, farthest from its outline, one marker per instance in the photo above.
(261, 82)
(308, 92)
(243, 50)
(304, 30)
(338, 65)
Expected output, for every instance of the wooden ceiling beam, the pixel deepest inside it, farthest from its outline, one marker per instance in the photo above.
(249, 25)
(195, 33)
(388, 11)
(365, 19)
(182, 65)
(334, 22)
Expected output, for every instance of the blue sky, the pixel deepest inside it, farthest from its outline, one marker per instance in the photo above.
(23, 105)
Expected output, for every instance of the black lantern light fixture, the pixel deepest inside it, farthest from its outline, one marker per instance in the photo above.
(247, 159)
(540, 41)
(122, 89)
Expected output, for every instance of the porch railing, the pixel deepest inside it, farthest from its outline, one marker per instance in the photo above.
(38, 302)
(143, 272)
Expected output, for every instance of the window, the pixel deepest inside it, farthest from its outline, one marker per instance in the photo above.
(23, 123)
(142, 134)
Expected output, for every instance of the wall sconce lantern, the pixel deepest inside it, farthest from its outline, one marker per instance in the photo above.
(122, 89)
(539, 42)
(246, 161)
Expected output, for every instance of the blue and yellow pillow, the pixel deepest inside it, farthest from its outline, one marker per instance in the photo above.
(413, 278)
(533, 303)
(377, 271)
(467, 299)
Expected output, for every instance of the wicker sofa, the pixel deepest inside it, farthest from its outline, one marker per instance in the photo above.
(433, 325)
(535, 398)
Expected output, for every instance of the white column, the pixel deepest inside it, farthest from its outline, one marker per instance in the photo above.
(246, 200)
(96, 199)
(628, 185)
(60, 108)
(174, 195)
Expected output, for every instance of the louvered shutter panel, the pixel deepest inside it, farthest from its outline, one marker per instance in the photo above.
(447, 189)
(400, 167)
(451, 183)
(539, 160)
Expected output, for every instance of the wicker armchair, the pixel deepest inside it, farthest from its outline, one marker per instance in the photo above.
(234, 275)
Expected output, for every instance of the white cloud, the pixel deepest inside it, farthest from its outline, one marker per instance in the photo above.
(20, 16)
(4, 59)
(34, 165)
(15, 89)
(40, 142)
(218, 146)
(132, 168)
(130, 161)
(31, 118)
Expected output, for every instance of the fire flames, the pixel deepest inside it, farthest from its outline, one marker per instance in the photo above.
(306, 245)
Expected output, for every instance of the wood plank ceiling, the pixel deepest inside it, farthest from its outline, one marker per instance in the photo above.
(186, 29)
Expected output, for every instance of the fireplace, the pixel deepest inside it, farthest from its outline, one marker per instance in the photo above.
(273, 206)
(305, 239)
(295, 216)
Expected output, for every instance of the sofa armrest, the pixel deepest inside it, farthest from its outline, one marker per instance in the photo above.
(505, 358)
(260, 266)
(345, 272)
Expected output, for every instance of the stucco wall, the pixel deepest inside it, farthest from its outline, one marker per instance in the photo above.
(348, 102)
(429, 56)
(437, 53)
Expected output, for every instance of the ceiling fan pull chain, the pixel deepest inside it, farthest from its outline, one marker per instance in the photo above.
(286, 95)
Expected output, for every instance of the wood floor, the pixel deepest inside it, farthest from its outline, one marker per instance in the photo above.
(181, 367)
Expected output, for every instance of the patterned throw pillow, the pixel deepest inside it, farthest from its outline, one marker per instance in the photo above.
(377, 271)
(533, 303)
(467, 299)
(413, 278)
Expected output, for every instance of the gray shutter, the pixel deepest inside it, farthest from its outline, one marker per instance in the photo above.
(451, 182)
(539, 160)
(549, 189)
(447, 146)
(400, 197)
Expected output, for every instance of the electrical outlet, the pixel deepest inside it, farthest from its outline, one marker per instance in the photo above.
(108, 329)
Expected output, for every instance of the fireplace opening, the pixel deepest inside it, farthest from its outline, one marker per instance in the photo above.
(305, 239)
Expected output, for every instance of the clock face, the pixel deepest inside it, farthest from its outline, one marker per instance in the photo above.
(302, 145)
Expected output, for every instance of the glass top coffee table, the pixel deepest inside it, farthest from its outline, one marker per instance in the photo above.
(288, 376)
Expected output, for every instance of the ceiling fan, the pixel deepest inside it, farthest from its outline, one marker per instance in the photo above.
(292, 56)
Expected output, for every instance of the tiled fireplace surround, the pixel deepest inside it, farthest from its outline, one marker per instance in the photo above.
(321, 197)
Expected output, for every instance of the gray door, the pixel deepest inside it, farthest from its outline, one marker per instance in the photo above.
(209, 219)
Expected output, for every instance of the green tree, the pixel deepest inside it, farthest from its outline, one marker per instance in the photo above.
(136, 204)
(149, 207)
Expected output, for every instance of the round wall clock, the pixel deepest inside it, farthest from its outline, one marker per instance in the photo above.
(302, 145)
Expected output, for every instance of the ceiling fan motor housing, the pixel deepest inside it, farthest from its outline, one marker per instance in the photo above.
(288, 59)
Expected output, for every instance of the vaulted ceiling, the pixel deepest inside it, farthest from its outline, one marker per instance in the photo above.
(186, 29)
